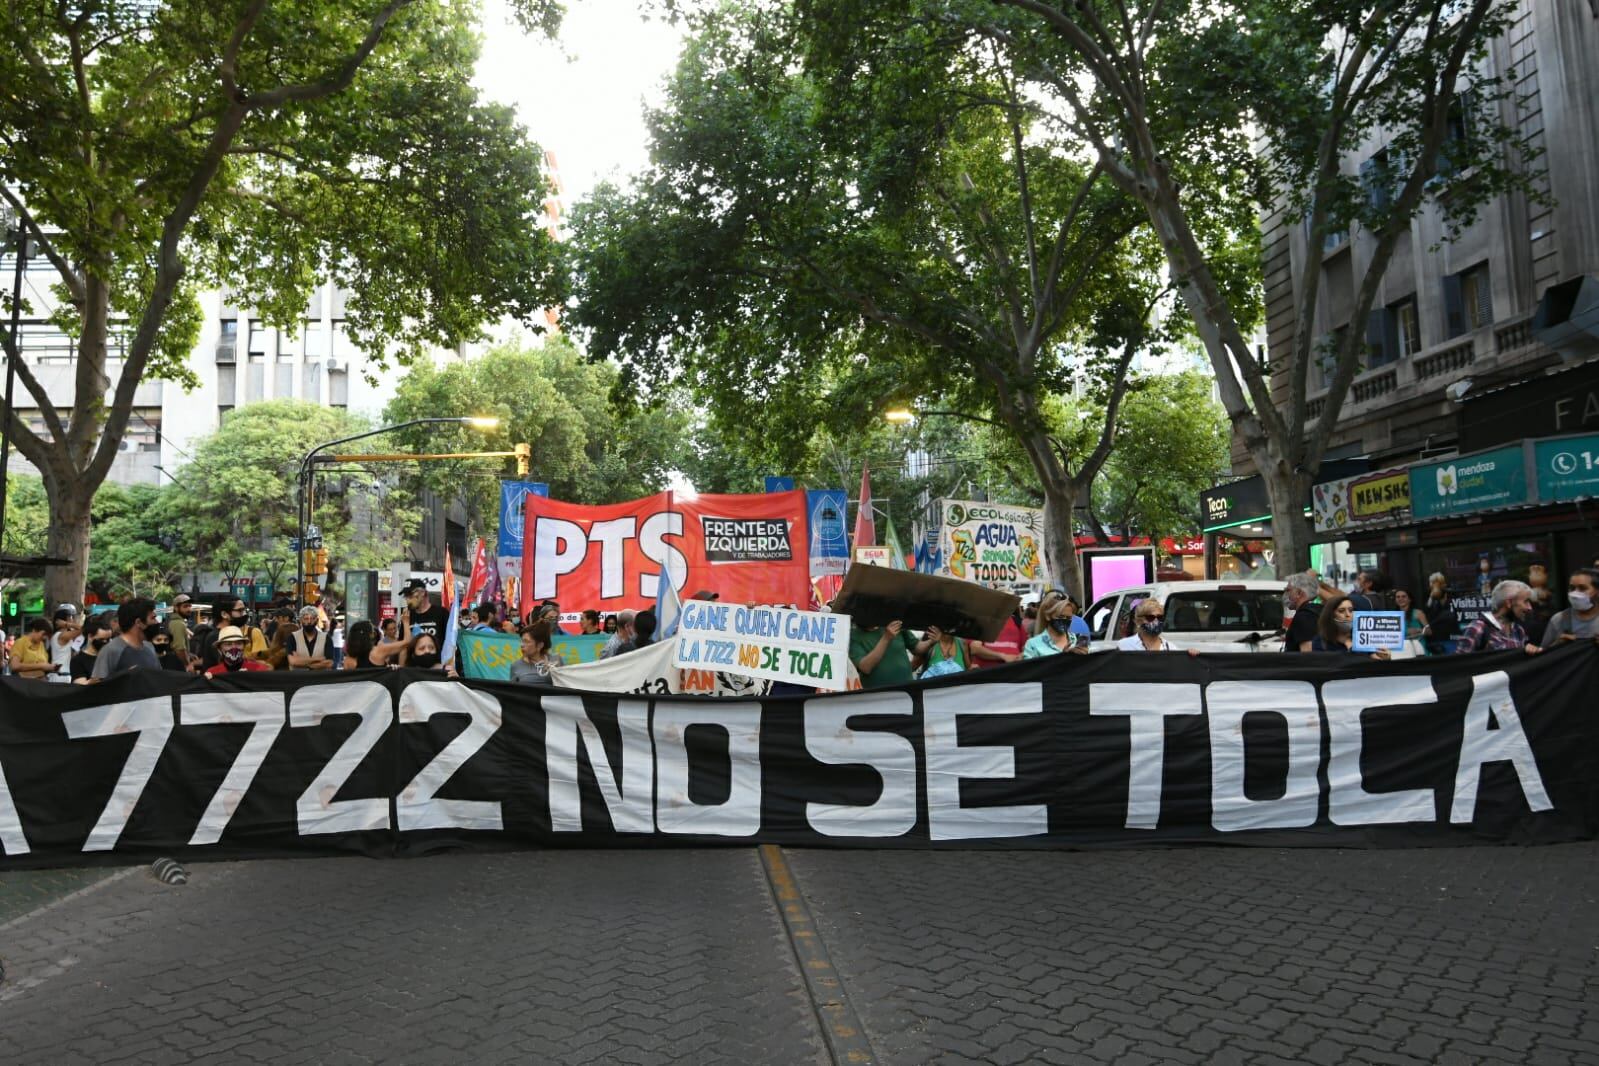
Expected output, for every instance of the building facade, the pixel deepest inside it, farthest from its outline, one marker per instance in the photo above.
(1510, 299)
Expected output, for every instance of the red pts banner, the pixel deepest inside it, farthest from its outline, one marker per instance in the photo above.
(747, 549)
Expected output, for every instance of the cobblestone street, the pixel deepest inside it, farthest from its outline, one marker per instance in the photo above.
(1197, 955)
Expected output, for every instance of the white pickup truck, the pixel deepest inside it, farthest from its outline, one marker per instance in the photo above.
(1208, 616)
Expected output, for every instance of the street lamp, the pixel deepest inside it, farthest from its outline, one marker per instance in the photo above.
(303, 510)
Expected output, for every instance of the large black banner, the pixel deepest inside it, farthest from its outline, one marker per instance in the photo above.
(1116, 749)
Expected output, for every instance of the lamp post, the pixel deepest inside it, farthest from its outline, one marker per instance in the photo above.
(15, 235)
(303, 511)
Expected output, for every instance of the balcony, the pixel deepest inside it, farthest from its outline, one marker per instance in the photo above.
(1493, 347)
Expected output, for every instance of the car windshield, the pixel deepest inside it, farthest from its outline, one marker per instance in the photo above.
(1224, 611)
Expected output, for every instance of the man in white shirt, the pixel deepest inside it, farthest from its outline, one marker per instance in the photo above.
(65, 642)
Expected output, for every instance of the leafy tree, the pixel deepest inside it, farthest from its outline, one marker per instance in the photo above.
(1280, 94)
(27, 527)
(584, 445)
(236, 499)
(136, 548)
(161, 148)
(896, 224)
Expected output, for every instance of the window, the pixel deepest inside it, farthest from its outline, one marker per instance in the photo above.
(315, 344)
(1392, 333)
(1468, 300)
(338, 388)
(223, 410)
(1380, 179)
(1099, 616)
(283, 386)
(227, 384)
(1227, 611)
(1459, 136)
(311, 382)
(255, 380)
(1329, 241)
(1124, 617)
(228, 341)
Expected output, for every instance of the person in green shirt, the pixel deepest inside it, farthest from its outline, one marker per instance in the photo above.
(883, 655)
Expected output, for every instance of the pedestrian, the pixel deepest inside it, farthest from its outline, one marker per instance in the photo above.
(1006, 647)
(1500, 628)
(362, 650)
(96, 635)
(277, 655)
(533, 667)
(422, 615)
(1054, 633)
(30, 655)
(129, 649)
(237, 614)
(65, 642)
(622, 640)
(1150, 618)
(644, 624)
(1579, 621)
(1335, 629)
(1441, 621)
(609, 625)
(178, 625)
(940, 646)
(591, 622)
(1415, 618)
(309, 646)
(231, 658)
(424, 654)
(883, 655)
(1303, 600)
(483, 618)
(389, 630)
(1363, 592)
(161, 644)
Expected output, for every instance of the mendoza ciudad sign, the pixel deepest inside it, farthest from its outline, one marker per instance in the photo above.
(776, 643)
(1467, 483)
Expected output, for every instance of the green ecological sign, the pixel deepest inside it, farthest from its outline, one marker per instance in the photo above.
(1568, 467)
(1469, 483)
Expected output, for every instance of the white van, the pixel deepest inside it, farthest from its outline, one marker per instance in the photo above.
(1208, 616)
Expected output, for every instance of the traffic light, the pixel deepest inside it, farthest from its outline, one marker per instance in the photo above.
(321, 561)
(12, 607)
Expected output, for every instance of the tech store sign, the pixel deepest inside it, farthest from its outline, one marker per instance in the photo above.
(1467, 483)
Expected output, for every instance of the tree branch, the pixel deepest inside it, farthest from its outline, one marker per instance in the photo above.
(341, 76)
(69, 277)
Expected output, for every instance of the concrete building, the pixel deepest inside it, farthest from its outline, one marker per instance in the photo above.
(1508, 302)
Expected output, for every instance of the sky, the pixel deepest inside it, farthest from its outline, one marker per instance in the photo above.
(581, 96)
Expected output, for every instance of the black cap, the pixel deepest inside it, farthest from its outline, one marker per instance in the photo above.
(412, 585)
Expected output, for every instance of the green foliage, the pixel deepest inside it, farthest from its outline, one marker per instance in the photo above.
(237, 496)
(27, 515)
(135, 547)
(588, 447)
(163, 148)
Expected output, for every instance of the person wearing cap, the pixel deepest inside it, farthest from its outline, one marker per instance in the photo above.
(178, 625)
(422, 615)
(65, 642)
(309, 646)
(230, 654)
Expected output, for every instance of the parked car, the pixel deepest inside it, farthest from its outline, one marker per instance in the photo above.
(1208, 616)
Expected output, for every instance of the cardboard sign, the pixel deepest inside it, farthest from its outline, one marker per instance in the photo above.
(776, 643)
(1379, 629)
(874, 555)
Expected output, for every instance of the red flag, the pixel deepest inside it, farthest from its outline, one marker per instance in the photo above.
(480, 573)
(865, 527)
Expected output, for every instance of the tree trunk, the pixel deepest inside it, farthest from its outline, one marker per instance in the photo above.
(1060, 544)
(1288, 492)
(70, 499)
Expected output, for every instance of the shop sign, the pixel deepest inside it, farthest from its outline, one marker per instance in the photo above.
(1234, 504)
(1468, 483)
(1568, 467)
(1359, 501)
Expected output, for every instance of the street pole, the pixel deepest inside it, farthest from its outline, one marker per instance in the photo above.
(14, 232)
(307, 472)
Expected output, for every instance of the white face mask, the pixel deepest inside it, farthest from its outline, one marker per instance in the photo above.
(1580, 601)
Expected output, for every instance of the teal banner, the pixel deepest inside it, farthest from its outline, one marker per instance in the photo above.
(1469, 483)
(1568, 467)
(487, 655)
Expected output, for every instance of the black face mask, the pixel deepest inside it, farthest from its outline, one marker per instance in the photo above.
(1061, 625)
(310, 631)
(425, 662)
(162, 649)
(100, 642)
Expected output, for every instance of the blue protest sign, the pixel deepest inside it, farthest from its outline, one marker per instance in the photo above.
(1379, 629)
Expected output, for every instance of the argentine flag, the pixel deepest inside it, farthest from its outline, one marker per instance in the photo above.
(667, 606)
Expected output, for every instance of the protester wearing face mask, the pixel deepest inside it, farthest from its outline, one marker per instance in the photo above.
(1580, 621)
(309, 646)
(255, 641)
(1150, 618)
(161, 642)
(96, 635)
(1501, 629)
(1053, 630)
(231, 658)
(1335, 629)
(424, 653)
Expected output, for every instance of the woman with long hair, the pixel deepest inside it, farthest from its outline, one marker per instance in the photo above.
(1335, 629)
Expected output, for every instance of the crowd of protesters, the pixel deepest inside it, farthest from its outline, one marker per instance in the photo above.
(70, 647)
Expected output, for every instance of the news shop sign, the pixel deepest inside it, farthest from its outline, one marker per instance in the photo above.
(775, 643)
(1379, 630)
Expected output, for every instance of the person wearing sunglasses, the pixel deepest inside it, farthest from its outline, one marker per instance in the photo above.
(1150, 618)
